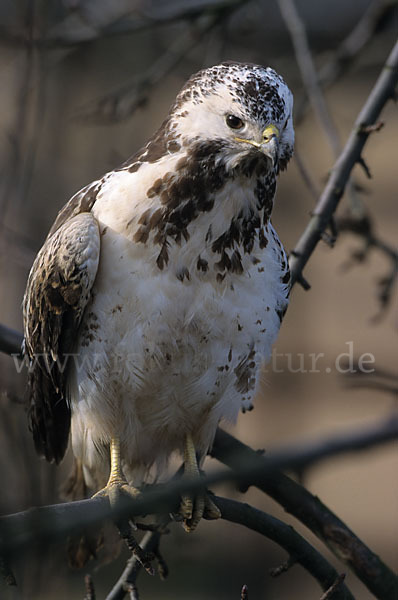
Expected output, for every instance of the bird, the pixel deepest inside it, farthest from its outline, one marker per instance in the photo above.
(160, 290)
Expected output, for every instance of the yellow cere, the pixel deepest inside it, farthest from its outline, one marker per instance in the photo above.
(269, 131)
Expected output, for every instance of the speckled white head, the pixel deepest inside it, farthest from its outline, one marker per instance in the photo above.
(244, 106)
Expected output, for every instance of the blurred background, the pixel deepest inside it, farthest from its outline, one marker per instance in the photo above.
(83, 84)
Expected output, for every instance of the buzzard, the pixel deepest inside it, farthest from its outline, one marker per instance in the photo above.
(161, 287)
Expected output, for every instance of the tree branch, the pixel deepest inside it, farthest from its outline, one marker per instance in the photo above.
(285, 536)
(22, 531)
(362, 226)
(78, 28)
(90, 590)
(330, 593)
(149, 544)
(122, 103)
(308, 72)
(383, 90)
(308, 509)
(372, 21)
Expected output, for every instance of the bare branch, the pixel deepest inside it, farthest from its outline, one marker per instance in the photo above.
(149, 545)
(328, 202)
(313, 87)
(122, 103)
(306, 175)
(22, 531)
(284, 535)
(308, 71)
(331, 591)
(372, 128)
(308, 509)
(373, 20)
(33, 525)
(76, 29)
(362, 226)
(137, 552)
(89, 585)
(283, 568)
(382, 381)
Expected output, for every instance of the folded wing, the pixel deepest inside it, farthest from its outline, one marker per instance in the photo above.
(58, 291)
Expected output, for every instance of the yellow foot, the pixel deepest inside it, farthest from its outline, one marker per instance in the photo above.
(117, 488)
(194, 508)
(117, 485)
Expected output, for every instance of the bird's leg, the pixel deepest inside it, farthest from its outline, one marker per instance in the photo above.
(195, 506)
(116, 487)
(117, 483)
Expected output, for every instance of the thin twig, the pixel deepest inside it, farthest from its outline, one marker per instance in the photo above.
(363, 227)
(328, 202)
(372, 21)
(306, 175)
(143, 557)
(283, 568)
(132, 591)
(90, 590)
(331, 591)
(286, 537)
(314, 91)
(377, 379)
(308, 72)
(149, 544)
(73, 31)
(123, 102)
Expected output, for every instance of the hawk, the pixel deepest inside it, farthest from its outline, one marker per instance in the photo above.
(161, 287)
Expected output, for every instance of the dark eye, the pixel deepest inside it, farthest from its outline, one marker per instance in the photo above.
(234, 122)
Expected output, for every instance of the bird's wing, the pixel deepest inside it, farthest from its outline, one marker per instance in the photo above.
(57, 292)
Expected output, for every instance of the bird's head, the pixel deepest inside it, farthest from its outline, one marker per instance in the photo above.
(243, 110)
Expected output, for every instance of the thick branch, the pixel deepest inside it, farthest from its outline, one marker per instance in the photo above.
(383, 90)
(296, 546)
(295, 499)
(51, 522)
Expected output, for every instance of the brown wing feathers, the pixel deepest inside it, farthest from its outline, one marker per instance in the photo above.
(58, 290)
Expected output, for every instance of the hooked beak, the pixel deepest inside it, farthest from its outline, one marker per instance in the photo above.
(269, 144)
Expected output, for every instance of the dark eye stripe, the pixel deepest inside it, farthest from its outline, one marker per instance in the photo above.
(234, 122)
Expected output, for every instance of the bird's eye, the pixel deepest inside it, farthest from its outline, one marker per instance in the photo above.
(234, 122)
